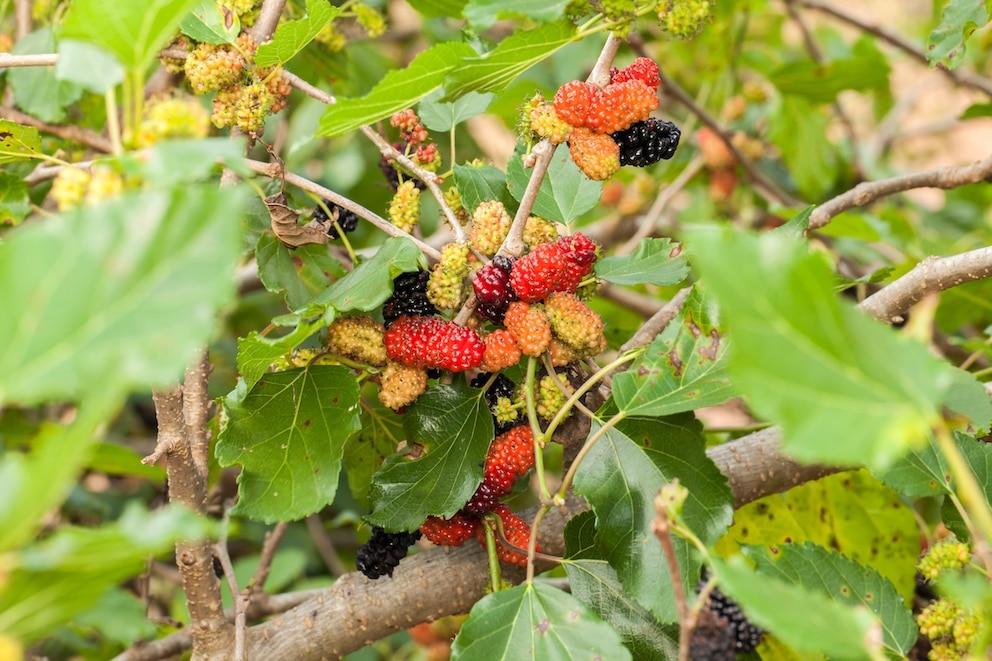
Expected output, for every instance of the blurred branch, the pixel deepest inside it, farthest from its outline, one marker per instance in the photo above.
(83, 136)
(961, 76)
(268, 19)
(22, 18)
(869, 191)
(267, 555)
(33, 60)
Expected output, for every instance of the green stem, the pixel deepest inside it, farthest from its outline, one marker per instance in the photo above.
(452, 144)
(532, 544)
(586, 387)
(113, 122)
(969, 490)
(495, 578)
(535, 428)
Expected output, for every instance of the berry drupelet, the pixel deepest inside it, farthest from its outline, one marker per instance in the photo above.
(647, 142)
(382, 553)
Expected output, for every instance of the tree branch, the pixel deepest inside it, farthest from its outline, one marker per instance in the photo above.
(268, 18)
(91, 139)
(869, 191)
(8, 60)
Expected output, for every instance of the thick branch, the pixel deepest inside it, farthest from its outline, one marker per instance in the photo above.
(869, 191)
(268, 18)
(8, 60)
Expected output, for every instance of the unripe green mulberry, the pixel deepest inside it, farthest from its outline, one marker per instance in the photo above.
(370, 19)
(490, 225)
(549, 398)
(545, 122)
(209, 67)
(948, 554)
(684, 19)
(401, 385)
(104, 184)
(539, 230)
(446, 286)
(172, 117)
(358, 338)
(505, 411)
(575, 324)
(454, 199)
(404, 208)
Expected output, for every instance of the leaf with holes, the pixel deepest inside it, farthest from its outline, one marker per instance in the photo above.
(451, 428)
(288, 435)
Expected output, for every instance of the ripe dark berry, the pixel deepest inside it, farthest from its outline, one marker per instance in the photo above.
(712, 639)
(492, 288)
(382, 553)
(346, 219)
(647, 142)
(433, 342)
(409, 298)
(745, 635)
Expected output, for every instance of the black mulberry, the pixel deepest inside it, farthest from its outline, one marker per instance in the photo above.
(746, 636)
(346, 219)
(409, 298)
(647, 142)
(382, 553)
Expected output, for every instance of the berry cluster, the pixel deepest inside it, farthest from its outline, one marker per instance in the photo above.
(608, 127)
(382, 553)
(945, 555)
(950, 628)
(340, 217)
(172, 117)
(245, 94)
(510, 456)
(726, 616)
(74, 186)
(409, 298)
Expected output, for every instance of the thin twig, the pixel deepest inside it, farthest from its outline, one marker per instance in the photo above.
(325, 547)
(240, 600)
(268, 553)
(869, 191)
(22, 18)
(8, 60)
(657, 323)
(961, 76)
(268, 18)
(663, 531)
(78, 134)
(275, 171)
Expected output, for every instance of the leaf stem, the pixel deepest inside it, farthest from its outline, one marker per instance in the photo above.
(535, 427)
(970, 492)
(113, 122)
(495, 578)
(532, 544)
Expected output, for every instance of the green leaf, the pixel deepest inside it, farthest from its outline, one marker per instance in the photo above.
(864, 395)
(292, 36)
(565, 193)
(655, 262)
(88, 66)
(595, 583)
(55, 579)
(977, 110)
(371, 283)
(439, 116)
(119, 617)
(480, 183)
(808, 621)
(398, 90)
(208, 23)
(116, 459)
(535, 621)
(303, 273)
(818, 569)
(95, 301)
(946, 44)
(133, 31)
(978, 455)
(256, 352)
(435, 8)
(365, 452)
(15, 203)
(36, 89)
(821, 83)
(681, 370)
(799, 130)
(922, 472)
(850, 512)
(968, 397)
(288, 435)
(514, 55)
(17, 143)
(483, 13)
(453, 428)
(620, 476)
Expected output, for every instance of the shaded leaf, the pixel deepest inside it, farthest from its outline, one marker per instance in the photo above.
(565, 193)
(288, 435)
(93, 288)
(655, 261)
(452, 428)
(821, 83)
(478, 184)
(620, 476)
(922, 472)
(365, 452)
(799, 129)
(595, 583)
(818, 569)
(88, 66)
(36, 89)
(535, 621)
(399, 90)
(864, 394)
(292, 36)
(371, 283)
(978, 455)
(303, 273)
(173, 162)
(433, 8)
(257, 352)
(681, 370)
(514, 55)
